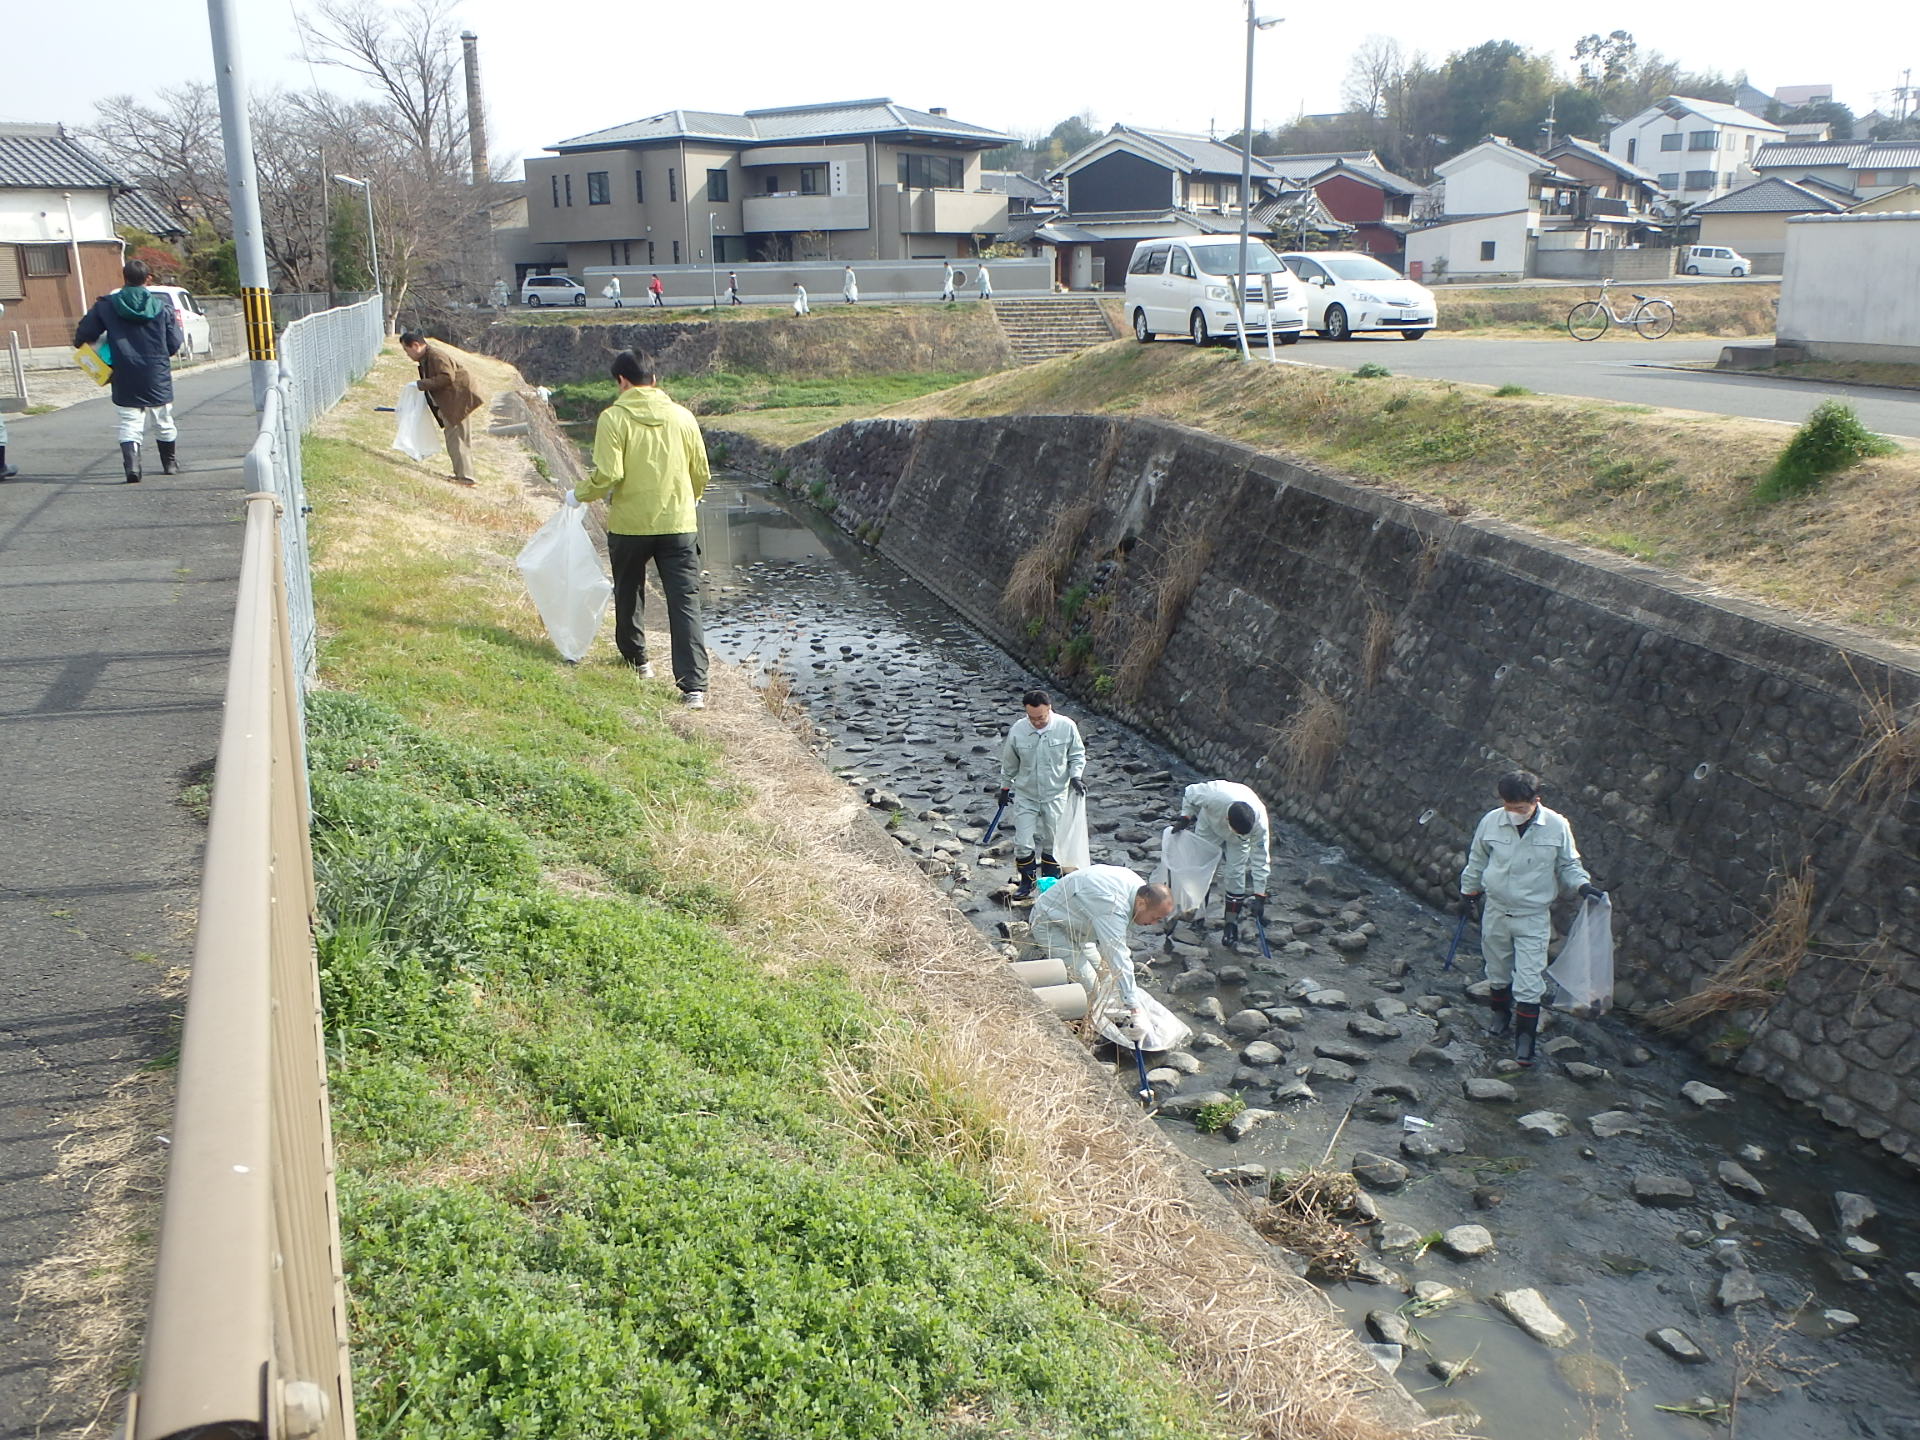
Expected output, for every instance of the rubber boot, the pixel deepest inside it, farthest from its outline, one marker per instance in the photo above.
(1049, 867)
(7, 472)
(1501, 999)
(1029, 872)
(1230, 932)
(168, 464)
(1526, 1029)
(130, 460)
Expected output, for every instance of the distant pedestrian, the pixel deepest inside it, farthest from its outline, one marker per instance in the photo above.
(451, 395)
(948, 281)
(733, 287)
(612, 292)
(499, 295)
(800, 299)
(144, 334)
(849, 286)
(659, 293)
(649, 460)
(985, 282)
(1522, 859)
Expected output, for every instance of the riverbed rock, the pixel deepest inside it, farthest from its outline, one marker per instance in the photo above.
(1611, 1124)
(1861, 1249)
(1755, 1154)
(1180, 1060)
(1327, 999)
(1367, 1027)
(1448, 1372)
(1662, 1190)
(1293, 1091)
(1288, 1017)
(1796, 1223)
(1853, 1210)
(1428, 1057)
(883, 800)
(1395, 1238)
(1564, 1048)
(1303, 987)
(1582, 1073)
(1352, 942)
(1390, 1327)
(1377, 1172)
(1343, 1052)
(1209, 1009)
(1489, 1091)
(1679, 1344)
(1736, 1288)
(1467, 1242)
(1387, 1357)
(1736, 1176)
(1240, 1174)
(1181, 1106)
(1838, 1322)
(1335, 1070)
(1429, 1145)
(1529, 1310)
(1706, 1096)
(1247, 1022)
(1547, 1124)
(1194, 981)
(1261, 1053)
(1386, 1008)
(1207, 1040)
(1246, 1122)
(1432, 1294)
(1370, 1271)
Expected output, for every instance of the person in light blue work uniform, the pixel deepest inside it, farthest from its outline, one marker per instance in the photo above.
(1042, 762)
(1229, 815)
(1083, 921)
(1522, 859)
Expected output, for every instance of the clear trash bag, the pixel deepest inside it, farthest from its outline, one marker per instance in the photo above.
(1187, 863)
(562, 571)
(1070, 838)
(1158, 1029)
(1583, 971)
(415, 433)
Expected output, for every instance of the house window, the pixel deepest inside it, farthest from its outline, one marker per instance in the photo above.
(773, 183)
(41, 260)
(1699, 179)
(639, 188)
(1891, 177)
(1632, 147)
(1670, 142)
(1670, 180)
(932, 172)
(556, 190)
(1726, 180)
(716, 185)
(649, 252)
(1866, 177)
(1487, 248)
(676, 252)
(598, 192)
(673, 186)
(1703, 140)
(813, 179)
(567, 187)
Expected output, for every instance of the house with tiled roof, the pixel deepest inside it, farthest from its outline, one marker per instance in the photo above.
(60, 205)
(1377, 203)
(1753, 219)
(1865, 168)
(847, 180)
(1696, 150)
(1501, 207)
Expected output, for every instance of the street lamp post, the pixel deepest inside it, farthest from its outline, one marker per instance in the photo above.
(365, 187)
(1254, 23)
(713, 265)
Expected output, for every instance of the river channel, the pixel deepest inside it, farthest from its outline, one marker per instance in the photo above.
(1613, 1201)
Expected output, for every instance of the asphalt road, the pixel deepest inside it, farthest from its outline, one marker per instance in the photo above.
(116, 608)
(1625, 369)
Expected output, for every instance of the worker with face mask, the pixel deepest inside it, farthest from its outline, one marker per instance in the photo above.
(1042, 762)
(1522, 859)
(1231, 816)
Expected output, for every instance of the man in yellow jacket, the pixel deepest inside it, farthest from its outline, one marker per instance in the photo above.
(649, 460)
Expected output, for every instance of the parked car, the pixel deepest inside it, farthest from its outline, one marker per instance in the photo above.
(552, 290)
(1714, 260)
(1187, 286)
(1348, 292)
(193, 320)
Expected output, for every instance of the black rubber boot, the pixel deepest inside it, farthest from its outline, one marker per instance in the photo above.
(7, 472)
(168, 464)
(1230, 931)
(1526, 1029)
(1029, 871)
(130, 460)
(1049, 867)
(1501, 999)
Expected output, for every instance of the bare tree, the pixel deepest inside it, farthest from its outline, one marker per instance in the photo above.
(170, 147)
(409, 54)
(1373, 74)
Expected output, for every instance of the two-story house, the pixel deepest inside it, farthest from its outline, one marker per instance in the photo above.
(1377, 203)
(857, 180)
(1695, 149)
(1501, 205)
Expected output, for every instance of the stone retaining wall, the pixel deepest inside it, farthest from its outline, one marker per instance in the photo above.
(1372, 666)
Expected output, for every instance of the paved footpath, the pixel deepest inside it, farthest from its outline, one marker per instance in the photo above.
(116, 606)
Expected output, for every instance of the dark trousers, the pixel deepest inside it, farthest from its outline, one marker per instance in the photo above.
(676, 560)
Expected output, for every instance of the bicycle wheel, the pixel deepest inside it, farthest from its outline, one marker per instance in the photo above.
(1654, 320)
(1588, 320)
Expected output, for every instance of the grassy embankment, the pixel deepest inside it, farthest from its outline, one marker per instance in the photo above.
(660, 1110)
(1670, 487)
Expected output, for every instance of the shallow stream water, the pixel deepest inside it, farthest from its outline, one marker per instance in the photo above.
(911, 703)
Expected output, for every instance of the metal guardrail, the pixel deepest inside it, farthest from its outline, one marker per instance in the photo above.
(247, 1329)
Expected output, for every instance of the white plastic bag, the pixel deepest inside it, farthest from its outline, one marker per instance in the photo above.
(1070, 837)
(1583, 971)
(416, 434)
(563, 575)
(1159, 1027)
(1187, 863)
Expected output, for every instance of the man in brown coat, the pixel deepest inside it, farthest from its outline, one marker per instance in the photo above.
(451, 395)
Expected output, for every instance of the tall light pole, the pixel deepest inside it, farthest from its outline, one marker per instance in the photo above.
(1254, 23)
(373, 249)
(243, 201)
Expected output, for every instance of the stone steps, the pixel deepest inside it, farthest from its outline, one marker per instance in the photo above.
(1042, 329)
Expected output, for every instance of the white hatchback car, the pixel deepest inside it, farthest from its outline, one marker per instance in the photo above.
(1348, 292)
(1186, 286)
(1714, 260)
(552, 290)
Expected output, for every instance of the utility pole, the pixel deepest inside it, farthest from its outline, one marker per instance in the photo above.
(1254, 25)
(243, 200)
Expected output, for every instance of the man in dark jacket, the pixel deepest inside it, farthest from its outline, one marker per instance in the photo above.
(451, 395)
(143, 335)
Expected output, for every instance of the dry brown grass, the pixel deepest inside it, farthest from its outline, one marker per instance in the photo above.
(1315, 1214)
(1379, 645)
(1033, 584)
(1759, 971)
(1182, 564)
(1888, 765)
(1311, 740)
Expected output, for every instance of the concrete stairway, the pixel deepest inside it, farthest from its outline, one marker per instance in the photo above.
(1041, 329)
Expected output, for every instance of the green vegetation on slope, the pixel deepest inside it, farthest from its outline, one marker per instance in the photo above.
(593, 1180)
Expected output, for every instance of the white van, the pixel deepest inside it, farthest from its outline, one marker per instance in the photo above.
(552, 290)
(1185, 286)
(1714, 260)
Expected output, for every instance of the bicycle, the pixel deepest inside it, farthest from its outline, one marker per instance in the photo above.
(1651, 317)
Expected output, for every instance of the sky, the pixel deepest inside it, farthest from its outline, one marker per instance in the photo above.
(578, 68)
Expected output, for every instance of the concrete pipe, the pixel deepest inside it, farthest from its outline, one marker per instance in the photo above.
(1037, 973)
(1069, 1002)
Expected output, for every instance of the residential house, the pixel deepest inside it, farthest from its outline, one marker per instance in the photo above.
(1907, 197)
(1623, 199)
(59, 247)
(855, 180)
(1695, 149)
(1300, 169)
(1792, 97)
(1502, 204)
(1864, 168)
(1025, 195)
(1377, 203)
(1753, 219)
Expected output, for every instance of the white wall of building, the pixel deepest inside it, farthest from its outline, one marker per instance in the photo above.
(1454, 252)
(1486, 181)
(1848, 293)
(32, 217)
(1730, 161)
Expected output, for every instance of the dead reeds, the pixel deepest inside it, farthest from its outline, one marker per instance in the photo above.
(1379, 645)
(1888, 764)
(1314, 1214)
(1311, 740)
(1758, 972)
(1182, 565)
(1034, 582)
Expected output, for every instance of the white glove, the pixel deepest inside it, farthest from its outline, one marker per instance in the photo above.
(572, 499)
